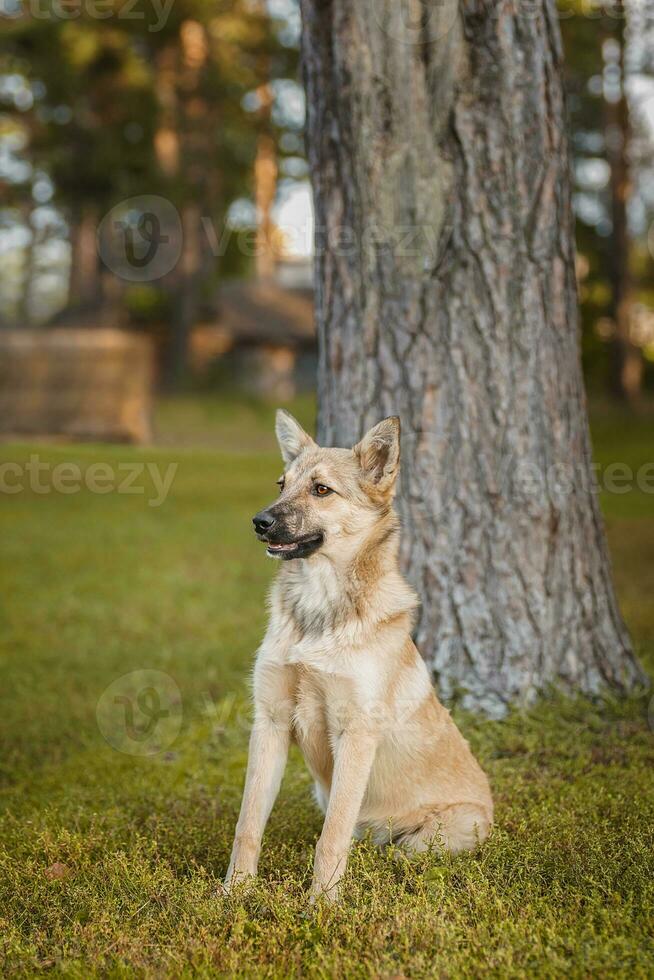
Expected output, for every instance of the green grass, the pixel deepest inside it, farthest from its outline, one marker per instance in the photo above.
(96, 586)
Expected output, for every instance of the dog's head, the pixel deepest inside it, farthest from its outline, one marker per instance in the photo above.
(328, 497)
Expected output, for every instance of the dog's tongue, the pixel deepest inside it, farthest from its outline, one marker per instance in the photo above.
(281, 547)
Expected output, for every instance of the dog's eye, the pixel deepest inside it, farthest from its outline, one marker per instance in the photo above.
(280, 483)
(321, 490)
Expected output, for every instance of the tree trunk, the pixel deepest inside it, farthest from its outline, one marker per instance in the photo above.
(627, 358)
(265, 189)
(85, 289)
(446, 294)
(24, 310)
(185, 298)
(186, 141)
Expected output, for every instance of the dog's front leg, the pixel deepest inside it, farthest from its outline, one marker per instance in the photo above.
(354, 756)
(266, 763)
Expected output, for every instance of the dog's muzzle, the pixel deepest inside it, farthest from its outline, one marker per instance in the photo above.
(280, 544)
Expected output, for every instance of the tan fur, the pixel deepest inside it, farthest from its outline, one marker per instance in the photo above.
(338, 673)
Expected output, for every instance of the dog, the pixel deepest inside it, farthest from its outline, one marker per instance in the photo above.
(338, 673)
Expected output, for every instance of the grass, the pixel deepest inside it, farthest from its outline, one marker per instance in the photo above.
(109, 862)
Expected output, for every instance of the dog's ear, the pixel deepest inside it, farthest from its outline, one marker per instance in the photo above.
(379, 453)
(291, 436)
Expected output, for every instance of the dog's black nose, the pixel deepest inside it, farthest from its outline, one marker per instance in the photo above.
(263, 522)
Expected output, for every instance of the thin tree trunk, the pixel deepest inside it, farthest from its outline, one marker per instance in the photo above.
(179, 68)
(85, 288)
(24, 311)
(265, 188)
(446, 294)
(166, 138)
(265, 170)
(627, 358)
(185, 298)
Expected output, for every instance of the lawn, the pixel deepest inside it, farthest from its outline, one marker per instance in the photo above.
(111, 850)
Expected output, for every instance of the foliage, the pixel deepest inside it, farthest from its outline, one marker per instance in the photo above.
(93, 91)
(120, 100)
(111, 864)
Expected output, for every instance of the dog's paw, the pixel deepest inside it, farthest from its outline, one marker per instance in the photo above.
(322, 894)
(223, 889)
(234, 879)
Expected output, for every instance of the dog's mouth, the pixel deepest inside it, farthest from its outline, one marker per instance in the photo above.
(299, 548)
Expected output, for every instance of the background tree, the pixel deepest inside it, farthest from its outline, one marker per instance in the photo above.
(608, 76)
(129, 104)
(446, 293)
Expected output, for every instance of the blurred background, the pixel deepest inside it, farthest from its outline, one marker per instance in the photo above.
(155, 210)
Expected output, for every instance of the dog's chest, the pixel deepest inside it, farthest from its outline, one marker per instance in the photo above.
(325, 705)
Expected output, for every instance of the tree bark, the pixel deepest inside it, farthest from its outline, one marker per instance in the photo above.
(446, 294)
